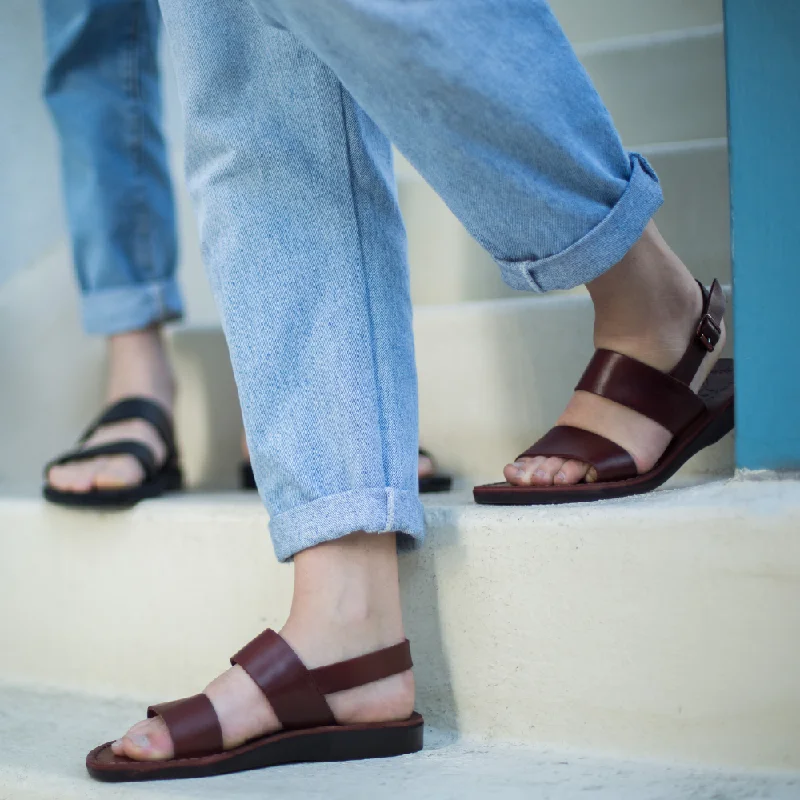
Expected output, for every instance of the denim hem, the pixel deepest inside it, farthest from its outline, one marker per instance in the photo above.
(601, 248)
(131, 308)
(328, 518)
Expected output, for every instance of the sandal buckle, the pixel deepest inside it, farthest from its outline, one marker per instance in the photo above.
(708, 333)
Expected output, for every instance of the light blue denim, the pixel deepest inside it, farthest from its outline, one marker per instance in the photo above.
(288, 105)
(102, 87)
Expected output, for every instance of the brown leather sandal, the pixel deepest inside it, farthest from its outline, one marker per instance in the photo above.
(297, 696)
(695, 420)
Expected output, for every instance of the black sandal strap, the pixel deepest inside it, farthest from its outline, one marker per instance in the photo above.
(138, 408)
(125, 447)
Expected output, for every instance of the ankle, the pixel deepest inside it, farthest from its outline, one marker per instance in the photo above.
(647, 305)
(138, 364)
(347, 598)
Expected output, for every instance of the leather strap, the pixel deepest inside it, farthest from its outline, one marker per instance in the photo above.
(297, 694)
(125, 447)
(193, 725)
(364, 669)
(137, 408)
(707, 335)
(287, 684)
(629, 382)
(611, 462)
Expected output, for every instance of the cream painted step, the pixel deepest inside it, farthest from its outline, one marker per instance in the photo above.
(664, 87)
(493, 376)
(594, 20)
(663, 626)
(45, 735)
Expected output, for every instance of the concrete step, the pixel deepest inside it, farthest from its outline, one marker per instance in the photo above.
(662, 87)
(663, 626)
(45, 737)
(494, 376)
(592, 20)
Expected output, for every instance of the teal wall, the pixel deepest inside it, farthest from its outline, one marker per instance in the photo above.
(763, 55)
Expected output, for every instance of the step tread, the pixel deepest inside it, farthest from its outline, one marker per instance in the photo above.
(46, 734)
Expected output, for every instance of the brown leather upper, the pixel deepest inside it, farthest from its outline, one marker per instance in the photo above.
(612, 462)
(296, 694)
(664, 398)
(284, 679)
(638, 386)
(193, 725)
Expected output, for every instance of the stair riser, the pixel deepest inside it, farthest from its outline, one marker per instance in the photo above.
(666, 627)
(592, 21)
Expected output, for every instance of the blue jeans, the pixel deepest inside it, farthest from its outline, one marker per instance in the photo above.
(288, 105)
(102, 87)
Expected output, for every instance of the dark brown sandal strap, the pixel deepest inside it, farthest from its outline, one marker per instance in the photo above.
(610, 461)
(635, 385)
(193, 725)
(285, 681)
(707, 335)
(364, 669)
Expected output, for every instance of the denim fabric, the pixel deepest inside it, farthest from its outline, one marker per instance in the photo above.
(102, 87)
(287, 104)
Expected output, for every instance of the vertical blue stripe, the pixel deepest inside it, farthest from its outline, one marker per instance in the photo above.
(763, 55)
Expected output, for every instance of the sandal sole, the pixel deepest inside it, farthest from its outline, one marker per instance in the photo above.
(333, 743)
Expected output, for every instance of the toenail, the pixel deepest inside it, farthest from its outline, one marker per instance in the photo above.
(540, 473)
(561, 477)
(140, 740)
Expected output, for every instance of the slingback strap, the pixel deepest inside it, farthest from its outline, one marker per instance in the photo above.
(707, 335)
(137, 408)
(287, 684)
(297, 694)
(611, 462)
(629, 382)
(364, 669)
(193, 726)
(125, 447)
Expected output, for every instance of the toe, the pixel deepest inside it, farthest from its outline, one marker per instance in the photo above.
(117, 472)
(148, 740)
(571, 472)
(75, 477)
(545, 473)
(520, 473)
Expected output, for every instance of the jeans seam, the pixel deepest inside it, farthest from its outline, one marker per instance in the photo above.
(141, 227)
(365, 282)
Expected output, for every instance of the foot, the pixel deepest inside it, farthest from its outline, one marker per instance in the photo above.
(138, 367)
(646, 307)
(327, 624)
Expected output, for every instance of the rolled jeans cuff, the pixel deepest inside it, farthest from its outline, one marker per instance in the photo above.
(601, 248)
(335, 516)
(131, 308)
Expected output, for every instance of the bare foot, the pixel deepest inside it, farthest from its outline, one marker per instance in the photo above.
(646, 307)
(346, 603)
(138, 367)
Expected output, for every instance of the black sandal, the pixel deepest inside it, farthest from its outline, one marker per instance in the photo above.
(157, 480)
(427, 483)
